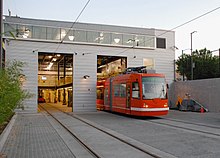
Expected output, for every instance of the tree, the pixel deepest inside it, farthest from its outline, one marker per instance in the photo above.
(11, 92)
(206, 65)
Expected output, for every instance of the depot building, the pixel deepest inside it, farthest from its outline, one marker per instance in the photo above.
(67, 63)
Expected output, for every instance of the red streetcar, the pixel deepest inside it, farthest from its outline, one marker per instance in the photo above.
(138, 92)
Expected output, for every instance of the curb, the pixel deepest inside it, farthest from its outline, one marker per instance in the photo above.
(5, 133)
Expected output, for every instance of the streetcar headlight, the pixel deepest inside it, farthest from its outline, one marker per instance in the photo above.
(165, 105)
(145, 105)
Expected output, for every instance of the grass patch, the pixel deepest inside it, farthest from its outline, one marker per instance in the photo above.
(4, 120)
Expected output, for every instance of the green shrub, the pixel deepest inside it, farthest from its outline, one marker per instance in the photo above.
(11, 92)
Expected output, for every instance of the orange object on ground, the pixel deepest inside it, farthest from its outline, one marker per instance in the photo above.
(202, 110)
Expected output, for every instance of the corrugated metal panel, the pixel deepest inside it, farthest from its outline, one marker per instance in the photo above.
(84, 91)
(22, 51)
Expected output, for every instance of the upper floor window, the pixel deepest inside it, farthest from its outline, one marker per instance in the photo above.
(161, 43)
(90, 36)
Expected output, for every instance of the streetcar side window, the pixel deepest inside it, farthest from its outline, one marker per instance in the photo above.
(123, 90)
(120, 90)
(135, 90)
(116, 90)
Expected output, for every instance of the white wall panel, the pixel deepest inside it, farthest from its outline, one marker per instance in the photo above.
(22, 51)
(84, 91)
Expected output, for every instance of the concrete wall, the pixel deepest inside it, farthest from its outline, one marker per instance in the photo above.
(205, 92)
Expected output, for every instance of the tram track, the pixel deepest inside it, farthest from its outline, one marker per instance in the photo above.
(154, 154)
(198, 124)
(84, 145)
(202, 129)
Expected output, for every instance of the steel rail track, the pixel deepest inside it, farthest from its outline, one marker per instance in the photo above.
(92, 152)
(114, 136)
(186, 128)
(198, 124)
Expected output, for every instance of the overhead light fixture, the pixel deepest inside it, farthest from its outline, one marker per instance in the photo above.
(117, 40)
(86, 77)
(71, 38)
(49, 66)
(44, 78)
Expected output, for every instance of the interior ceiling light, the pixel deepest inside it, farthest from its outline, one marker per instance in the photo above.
(44, 78)
(117, 40)
(71, 38)
(54, 59)
(50, 56)
(49, 66)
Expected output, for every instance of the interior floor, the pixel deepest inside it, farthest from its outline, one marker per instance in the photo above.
(58, 105)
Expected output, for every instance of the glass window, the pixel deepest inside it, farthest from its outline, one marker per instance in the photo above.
(101, 37)
(135, 90)
(128, 40)
(24, 31)
(116, 90)
(161, 43)
(139, 40)
(154, 87)
(106, 38)
(63, 33)
(116, 39)
(149, 41)
(39, 32)
(149, 63)
(10, 28)
(123, 90)
(80, 36)
(67, 34)
(49, 33)
(93, 37)
(53, 33)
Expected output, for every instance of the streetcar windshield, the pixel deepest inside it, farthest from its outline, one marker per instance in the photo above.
(153, 87)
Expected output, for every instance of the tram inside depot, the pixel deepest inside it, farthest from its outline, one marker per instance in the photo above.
(107, 66)
(55, 77)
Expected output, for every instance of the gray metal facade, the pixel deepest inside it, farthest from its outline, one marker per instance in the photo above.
(85, 58)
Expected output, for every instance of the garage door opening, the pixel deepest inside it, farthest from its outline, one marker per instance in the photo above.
(107, 66)
(55, 81)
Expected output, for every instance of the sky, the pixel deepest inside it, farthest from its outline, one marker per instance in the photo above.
(159, 14)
